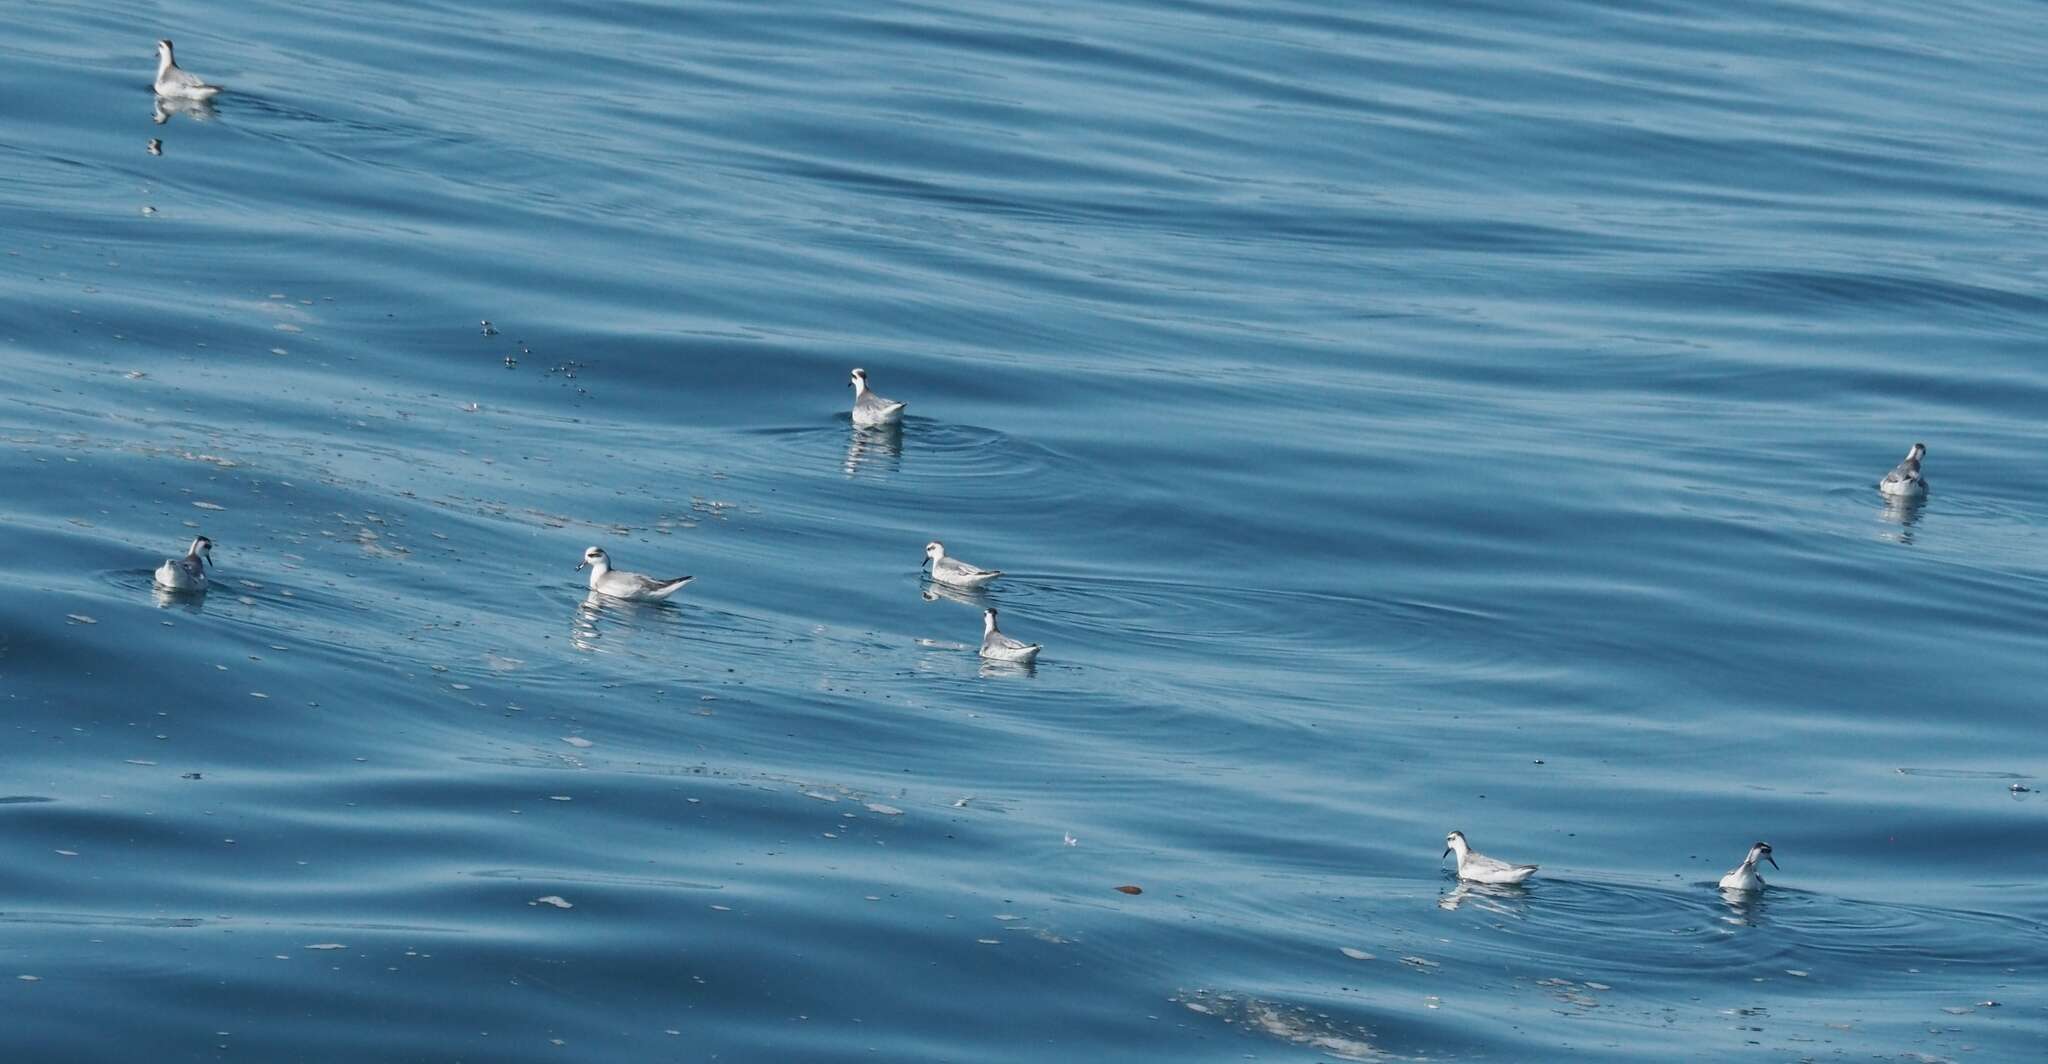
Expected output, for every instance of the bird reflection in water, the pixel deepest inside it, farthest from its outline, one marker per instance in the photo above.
(1745, 907)
(878, 449)
(180, 600)
(196, 110)
(1903, 511)
(965, 596)
(991, 669)
(599, 618)
(1504, 899)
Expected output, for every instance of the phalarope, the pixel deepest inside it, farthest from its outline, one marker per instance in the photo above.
(189, 572)
(998, 647)
(1480, 868)
(950, 570)
(177, 83)
(1905, 478)
(870, 409)
(633, 587)
(1743, 876)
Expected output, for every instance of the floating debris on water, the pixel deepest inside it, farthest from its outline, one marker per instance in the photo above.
(555, 900)
(577, 741)
(1354, 954)
(327, 945)
(1130, 888)
(209, 506)
(80, 618)
(884, 810)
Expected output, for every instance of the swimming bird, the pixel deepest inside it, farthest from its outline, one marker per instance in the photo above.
(632, 587)
(998, 647)
(1905, 478)
(1480, 868)
(189, 572)
(1743, 876)
(177, 83)
(949, 570)
(870, 409)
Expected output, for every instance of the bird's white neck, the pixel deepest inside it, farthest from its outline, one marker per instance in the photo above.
(163, 60)
(988, 623)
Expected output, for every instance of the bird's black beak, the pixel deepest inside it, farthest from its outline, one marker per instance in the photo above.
(1773, 860)
(1447, 853)
(580, 566)
(926, 563)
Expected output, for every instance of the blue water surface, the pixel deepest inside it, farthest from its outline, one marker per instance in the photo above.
(1391, 418)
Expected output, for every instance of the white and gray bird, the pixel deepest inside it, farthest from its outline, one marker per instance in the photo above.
(176, 82)
(189, 572)
(1905, 479)
(632, 587)
(1479, 868)
(869, 409)
(1743, 876)
(950, 570)
(998, 647)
